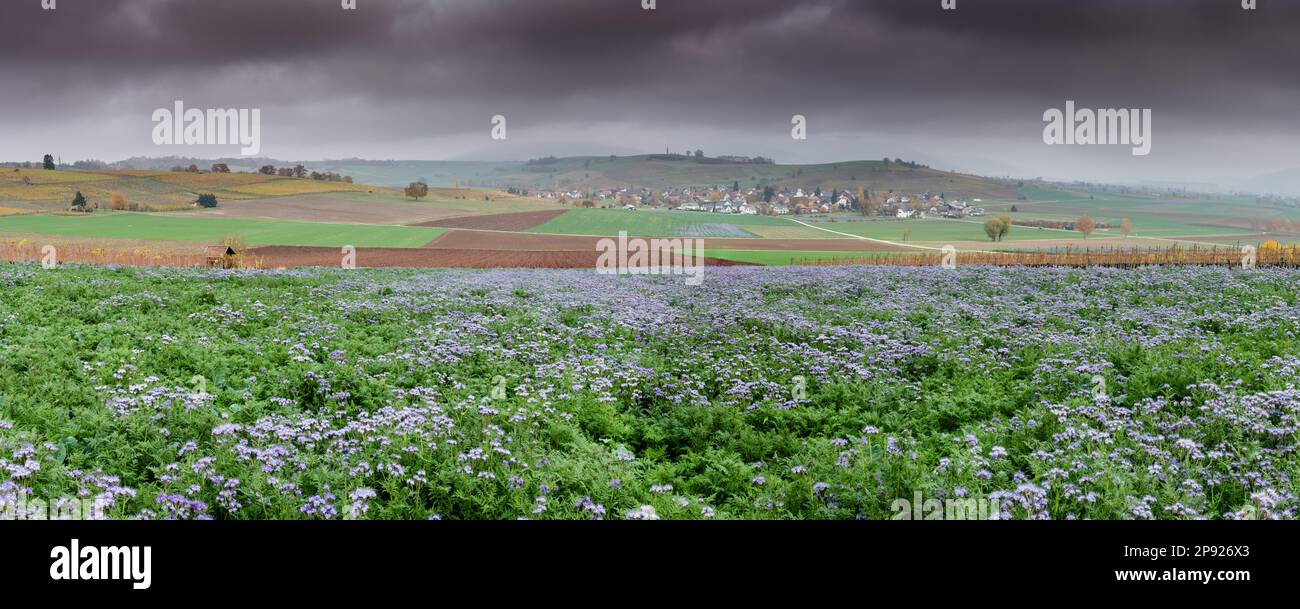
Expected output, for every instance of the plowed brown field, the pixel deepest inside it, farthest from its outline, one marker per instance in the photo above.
(461, 239)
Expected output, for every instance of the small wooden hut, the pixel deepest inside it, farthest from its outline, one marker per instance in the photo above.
(219, 256)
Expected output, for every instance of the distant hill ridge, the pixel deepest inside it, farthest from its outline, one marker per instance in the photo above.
(654, 171)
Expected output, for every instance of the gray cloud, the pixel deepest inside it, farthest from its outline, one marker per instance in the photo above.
(421, 78)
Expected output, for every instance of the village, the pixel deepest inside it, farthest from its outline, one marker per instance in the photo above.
(770, 201)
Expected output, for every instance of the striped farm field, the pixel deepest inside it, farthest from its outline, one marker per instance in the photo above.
(41, 176)
(158, 190)
(215, 181)
(291, 186)
(932, 231)
(793, 231)
(152, 227)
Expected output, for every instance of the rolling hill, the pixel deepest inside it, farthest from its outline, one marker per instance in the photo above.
(648, 171)
(42, 190)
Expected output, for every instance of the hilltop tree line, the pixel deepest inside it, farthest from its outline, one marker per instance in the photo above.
(118, 201)
(299, 171)
(901, 163)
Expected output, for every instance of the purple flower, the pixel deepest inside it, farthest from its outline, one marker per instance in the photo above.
(596, 510)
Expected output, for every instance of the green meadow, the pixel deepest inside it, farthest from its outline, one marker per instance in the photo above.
(646, 222)
(930, 230)
(126, 225)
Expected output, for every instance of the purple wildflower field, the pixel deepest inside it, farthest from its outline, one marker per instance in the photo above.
(801, 393)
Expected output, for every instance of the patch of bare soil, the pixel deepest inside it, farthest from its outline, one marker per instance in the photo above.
(489, 240)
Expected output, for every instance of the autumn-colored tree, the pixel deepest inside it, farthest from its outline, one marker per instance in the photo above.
(1126, 228)
(234, 242)
(119, 202)
(1085, 225)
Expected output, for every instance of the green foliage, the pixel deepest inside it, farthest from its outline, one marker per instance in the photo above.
(508, 394)
(417, 190)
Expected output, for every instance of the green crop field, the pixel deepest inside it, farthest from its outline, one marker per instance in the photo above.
(126, 225)
(930, 230)
(1151, 215)
(645, 222)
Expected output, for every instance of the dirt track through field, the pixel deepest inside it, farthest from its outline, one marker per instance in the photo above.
(287, 257)
(520, 221)
(463, 239)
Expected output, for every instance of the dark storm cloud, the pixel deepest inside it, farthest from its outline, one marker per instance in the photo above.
(412, 76)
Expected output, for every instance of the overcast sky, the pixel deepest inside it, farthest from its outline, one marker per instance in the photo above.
(421, 79)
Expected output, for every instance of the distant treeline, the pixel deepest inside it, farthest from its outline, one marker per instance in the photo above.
(1058, 225)
(699, 157)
